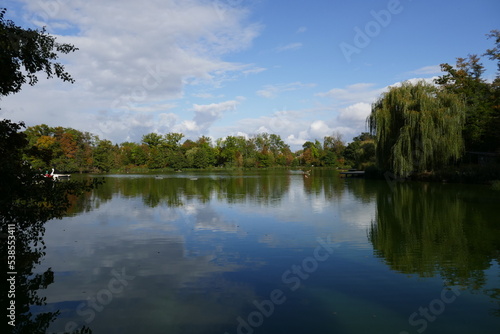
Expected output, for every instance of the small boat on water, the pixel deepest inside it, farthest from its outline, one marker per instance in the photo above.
(305, 173)
(56, 177)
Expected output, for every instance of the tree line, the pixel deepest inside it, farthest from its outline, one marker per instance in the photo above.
(423, 127)
(71, 150)
(27, 201)
(414, 128)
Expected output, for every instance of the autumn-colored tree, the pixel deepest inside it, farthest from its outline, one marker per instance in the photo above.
(27, 202)
(312, 153)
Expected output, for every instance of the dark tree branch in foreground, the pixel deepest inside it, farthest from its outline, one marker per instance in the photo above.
(25, 52)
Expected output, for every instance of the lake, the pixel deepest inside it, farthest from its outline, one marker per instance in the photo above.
(275, 252)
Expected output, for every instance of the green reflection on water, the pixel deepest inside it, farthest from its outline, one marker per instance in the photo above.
(435, 229)
(250, 226)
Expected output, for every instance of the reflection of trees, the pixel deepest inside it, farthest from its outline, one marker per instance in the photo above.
(365, 192)
(28, 232)
(266, 188)
(324, 181)
(328, 183)
(27, 202)
(172, 190)
(437, 229)
(424, 229)
(28, 214)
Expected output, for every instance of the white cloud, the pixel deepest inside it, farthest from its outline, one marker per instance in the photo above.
(434, 69)
(346, 115)
(355, 113)
(270, 91)
(288, 47)
(134, 58)
(298, 141)
(204, 95)
(204, 116)
(294, 126)
(215, 107)
(262, 129)
(319, 129)
(147, 66)
(360, 92)
(413, 81)
(254, 70)
(187, 127)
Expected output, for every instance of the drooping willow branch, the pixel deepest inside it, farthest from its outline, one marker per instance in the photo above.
(418, 127)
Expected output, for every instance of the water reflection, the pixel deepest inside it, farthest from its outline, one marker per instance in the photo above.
(24, 212)
(30, 247)
(430, 230)
(198, 249)
(166, 287)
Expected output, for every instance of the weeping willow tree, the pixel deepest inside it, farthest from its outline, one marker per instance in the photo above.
(418, 127)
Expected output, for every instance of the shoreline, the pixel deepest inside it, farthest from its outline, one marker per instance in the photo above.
(467, 174)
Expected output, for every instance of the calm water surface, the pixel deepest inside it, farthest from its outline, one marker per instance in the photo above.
(275, 252)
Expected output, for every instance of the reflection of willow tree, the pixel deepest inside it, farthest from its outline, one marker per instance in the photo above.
(27, 201)
(428, 230)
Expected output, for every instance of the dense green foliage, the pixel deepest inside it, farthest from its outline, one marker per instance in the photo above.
(361, 151)
(481, 101)
(27, 201)
(70, 150)
(414, 235)
(424, 128)
(418, 127)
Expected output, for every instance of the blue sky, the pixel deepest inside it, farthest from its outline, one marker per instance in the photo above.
(300, 69)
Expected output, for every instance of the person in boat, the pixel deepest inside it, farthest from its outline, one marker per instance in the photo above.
(49, 175)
